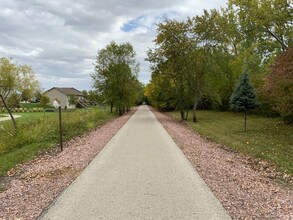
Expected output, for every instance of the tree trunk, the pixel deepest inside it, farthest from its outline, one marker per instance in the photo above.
(244, 121)
(186, 115)
(9, 111)
(111, 107)
(120, 111)
(182, 113)
(194, 118)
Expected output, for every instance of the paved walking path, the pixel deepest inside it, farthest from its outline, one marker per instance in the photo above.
(7, 117)
(140, 174)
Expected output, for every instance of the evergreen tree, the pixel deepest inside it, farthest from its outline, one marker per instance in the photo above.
(243, 97)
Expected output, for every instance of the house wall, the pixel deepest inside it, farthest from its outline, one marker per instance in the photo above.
(68, 105)
(53, 94)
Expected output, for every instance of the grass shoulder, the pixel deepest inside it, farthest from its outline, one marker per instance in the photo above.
(38, 131)
(266, 138)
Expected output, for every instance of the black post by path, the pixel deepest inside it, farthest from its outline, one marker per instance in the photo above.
(60, 128)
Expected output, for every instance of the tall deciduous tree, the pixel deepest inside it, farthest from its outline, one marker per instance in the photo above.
(173, 43)
(200, 59)
(15, 81)
(270, 21)
(115, 74)
(243, 97)
(170, 64)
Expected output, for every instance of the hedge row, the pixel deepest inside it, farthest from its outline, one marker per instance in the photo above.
(24, 110)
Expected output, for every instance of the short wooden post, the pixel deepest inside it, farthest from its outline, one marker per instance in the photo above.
(60, 128)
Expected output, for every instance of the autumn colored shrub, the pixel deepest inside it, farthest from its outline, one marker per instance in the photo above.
(279, 85)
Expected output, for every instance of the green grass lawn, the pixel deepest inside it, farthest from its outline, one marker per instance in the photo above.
(37, 131)
(28, 117)
(33, 116)
(266, 138)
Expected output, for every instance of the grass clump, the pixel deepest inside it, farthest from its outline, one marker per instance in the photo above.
(37, 131)
(266, 138)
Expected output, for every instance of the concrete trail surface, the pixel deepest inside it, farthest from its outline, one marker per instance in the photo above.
(7, 117)
(140, 174)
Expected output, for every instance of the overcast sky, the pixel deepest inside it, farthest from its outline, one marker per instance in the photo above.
(60, 38)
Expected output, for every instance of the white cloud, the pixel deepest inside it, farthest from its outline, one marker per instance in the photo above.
(60, 38)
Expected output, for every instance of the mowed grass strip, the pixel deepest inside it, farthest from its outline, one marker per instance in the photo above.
(37, 131)
(30, 105)
(266, 138)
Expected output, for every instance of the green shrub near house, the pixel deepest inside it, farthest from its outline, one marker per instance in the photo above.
(37, 131)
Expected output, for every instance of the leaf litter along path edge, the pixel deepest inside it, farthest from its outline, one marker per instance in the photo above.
(37, 183)
(246, 193)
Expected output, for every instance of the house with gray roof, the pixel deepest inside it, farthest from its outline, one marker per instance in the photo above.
(63, 94)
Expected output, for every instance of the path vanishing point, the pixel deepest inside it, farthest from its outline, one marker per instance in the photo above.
(140, 174)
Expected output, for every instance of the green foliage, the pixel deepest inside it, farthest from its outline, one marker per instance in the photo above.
(44, 101)
(268, 139)
(26, 95)
(93, 96)
(13, 100)
(73, 100)
(85, 94)
(202, 57)
(161, 93)
(266, 21)
(38, 95)
(14, 80)
(115, 76)
(243, 97)
(174, 67)
(36, 132)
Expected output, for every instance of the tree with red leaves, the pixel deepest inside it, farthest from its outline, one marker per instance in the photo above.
(279, 85)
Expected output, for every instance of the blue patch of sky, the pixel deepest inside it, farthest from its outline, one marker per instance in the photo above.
(169, 15)
(138, 22)
(133, 24)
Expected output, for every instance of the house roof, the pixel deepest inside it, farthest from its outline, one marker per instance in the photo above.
(67, 91)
